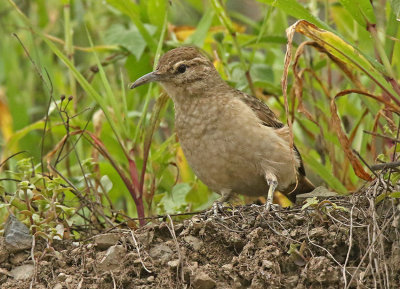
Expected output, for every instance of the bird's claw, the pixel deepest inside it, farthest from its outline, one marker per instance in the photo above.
(270, 207)
(216, 209)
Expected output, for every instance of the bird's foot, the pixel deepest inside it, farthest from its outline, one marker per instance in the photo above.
(217, 209)
(270, 207)
(219, 205)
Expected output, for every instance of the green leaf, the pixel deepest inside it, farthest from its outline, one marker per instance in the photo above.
(12, 144)
(36, 218)
(156, 10)
(383, 196)
(310, 202)
(262, 72)
(396, 8)
(131, 9)
(324, 173)
(106, 184)
(3, 205)
(198, 37)
(67, 210)
(392, 27)
(295, 9)
(361, 10)
(177, 200)
(130, 39)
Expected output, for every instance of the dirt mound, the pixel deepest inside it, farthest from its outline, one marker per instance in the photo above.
(339, 243)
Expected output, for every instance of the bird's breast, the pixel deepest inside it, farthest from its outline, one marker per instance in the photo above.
(215, 146)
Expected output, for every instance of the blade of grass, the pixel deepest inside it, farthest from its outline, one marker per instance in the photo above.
(110, 97)
(148, 95)
(130, 8)
(324, 173)
(295, 9)
(198, 37)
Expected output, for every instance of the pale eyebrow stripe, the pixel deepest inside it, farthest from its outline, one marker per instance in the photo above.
(194, 60)
(179, 63)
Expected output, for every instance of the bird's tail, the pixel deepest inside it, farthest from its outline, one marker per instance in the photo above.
(304, 186)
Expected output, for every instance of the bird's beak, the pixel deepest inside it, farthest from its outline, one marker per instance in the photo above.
(149, 77)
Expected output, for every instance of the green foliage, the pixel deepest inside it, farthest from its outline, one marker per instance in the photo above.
(39, 201)
(119, 144)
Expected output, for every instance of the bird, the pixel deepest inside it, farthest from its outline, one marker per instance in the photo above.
(233, 141)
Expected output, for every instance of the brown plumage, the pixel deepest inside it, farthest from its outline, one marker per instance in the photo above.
(233, 141)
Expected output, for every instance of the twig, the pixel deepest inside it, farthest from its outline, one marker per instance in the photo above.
(383, 166)
(394, 149)
(138, 251)
(34, 261)
(388, 221)
(350, 246)
(180, 257)
(10, 157)
(365, 163)
(381, 135)
(113, 279)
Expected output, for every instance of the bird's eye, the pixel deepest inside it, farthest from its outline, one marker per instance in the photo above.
(182, 68)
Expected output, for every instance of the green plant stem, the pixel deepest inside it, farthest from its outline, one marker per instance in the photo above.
(226, 21)
(142, 119)
(69, 47)
(381, 50)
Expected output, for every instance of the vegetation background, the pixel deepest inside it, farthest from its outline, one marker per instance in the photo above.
(77, 147)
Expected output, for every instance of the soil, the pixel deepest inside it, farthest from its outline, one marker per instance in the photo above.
(339, 243)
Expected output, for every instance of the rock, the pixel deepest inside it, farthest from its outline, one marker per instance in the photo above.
(196, 243)
(150, 279)
(321, 193)
(61, 263)
(16, 234)
(104, 241)
(161, 252)
(267, 264)
(227, 268)
(58, 286)
(202, 281)
(173, 264)
(19, 258)
(62, 277)
(318, 232)
(143, 239)
(23, 272)
(3, 251)
(112, 258)
(292, 280)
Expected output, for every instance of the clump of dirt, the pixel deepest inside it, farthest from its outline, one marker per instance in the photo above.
(337, 243)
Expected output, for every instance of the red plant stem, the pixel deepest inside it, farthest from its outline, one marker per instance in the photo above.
(137, 189)
(131, 184)
(134, 176)
(140, 210)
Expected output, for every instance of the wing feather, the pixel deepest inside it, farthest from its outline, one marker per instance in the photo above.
(268, 118)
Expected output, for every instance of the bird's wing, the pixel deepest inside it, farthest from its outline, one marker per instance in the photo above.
(263, 112)
(268, 118)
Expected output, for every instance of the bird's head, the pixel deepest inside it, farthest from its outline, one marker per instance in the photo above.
(183, 70)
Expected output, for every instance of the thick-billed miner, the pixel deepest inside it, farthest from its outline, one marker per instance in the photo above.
(233, 141)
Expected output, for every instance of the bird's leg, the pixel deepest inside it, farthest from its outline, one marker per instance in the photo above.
(226, 194)
(272, 183)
